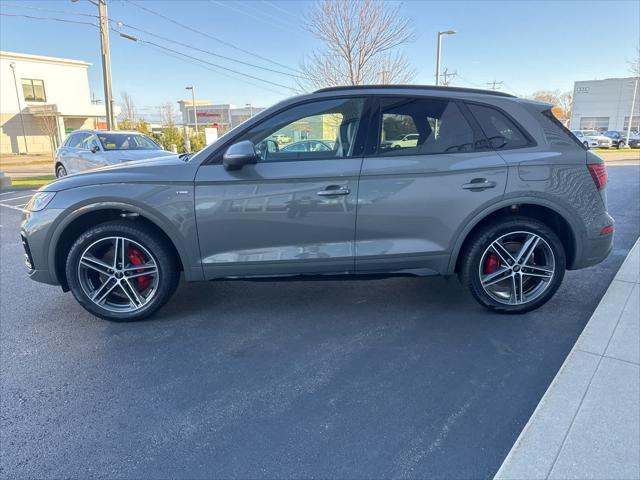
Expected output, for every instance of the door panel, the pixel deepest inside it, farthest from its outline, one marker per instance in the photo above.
(269, 218)
(410, 207)
(413, 196)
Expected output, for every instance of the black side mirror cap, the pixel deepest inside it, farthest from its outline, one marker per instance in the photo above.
(95, 149)
(240, 154)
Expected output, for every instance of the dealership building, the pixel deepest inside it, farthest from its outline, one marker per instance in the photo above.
(221, 116)
(605, 105)
(42, 99)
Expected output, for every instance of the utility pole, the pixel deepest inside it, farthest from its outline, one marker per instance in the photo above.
(495, 85)
(447, 77)
(439, 52)
(633, 102)
(106, 62)
(24, 132)
(193, 104)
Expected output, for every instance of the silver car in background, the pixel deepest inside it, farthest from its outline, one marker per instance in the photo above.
(88, 149)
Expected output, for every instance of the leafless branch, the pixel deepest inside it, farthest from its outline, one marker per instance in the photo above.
(360, 44)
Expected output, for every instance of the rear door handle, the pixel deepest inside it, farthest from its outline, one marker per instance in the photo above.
(479, 184)
(332, 190)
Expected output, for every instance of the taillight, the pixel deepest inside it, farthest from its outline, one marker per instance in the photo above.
(598, 172)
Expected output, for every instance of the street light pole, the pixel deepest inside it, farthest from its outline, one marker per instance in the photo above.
(633, 103)
(106, 62)
(193, 103)
(439, 52)
(24, 132)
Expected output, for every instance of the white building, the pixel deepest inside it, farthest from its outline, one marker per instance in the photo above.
(53, 96)
(605, 105)
(222, 116)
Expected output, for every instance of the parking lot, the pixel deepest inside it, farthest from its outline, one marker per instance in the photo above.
(403, 377)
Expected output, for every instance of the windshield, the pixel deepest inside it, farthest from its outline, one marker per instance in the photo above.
(126, 141)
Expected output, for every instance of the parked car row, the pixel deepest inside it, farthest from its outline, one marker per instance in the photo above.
(608, 139)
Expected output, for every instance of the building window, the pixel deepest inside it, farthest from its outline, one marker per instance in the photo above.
(33, 90)
(600, 124)
(635, 123)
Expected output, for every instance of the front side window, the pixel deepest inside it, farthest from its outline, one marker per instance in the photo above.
(33, 90)
(423, 126)
(502, 133)
(318, 130)
(76, 140)
(126, 141)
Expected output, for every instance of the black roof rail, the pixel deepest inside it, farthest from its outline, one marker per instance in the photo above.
(416, 87)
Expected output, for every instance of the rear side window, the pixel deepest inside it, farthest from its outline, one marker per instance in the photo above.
(75, 140)
(499, 129)
(423, 126)
(557, 134)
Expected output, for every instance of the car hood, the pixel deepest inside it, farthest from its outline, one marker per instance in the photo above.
(129, 155)
(165, 169)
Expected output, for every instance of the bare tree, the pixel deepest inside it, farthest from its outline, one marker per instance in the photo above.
(562, 103)
(361, 41)
(49, 124)
(128, 114)
(167, 114)
(565, 104)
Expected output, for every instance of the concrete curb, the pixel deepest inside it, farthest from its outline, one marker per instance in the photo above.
(587, 424)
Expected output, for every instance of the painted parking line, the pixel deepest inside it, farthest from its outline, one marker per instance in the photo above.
(17, 198)
(6, 193)
(13, 207)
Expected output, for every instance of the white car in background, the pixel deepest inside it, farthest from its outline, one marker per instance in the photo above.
(592, 139)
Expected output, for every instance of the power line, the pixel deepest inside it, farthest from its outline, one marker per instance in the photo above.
(233, 7)
(494, 85)
(34, 17)
(186, 55)
(478, 85)
(122, 24)
(187, 27)
(42, 9)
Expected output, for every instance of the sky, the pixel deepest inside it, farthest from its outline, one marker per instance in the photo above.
(527, 45)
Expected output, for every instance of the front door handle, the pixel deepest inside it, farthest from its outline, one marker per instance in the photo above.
(479, 184)
(332, 190)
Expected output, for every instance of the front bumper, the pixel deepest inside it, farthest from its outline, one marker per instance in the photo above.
(35, 233)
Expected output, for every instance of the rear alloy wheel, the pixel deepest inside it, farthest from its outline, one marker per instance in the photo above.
(61, 171)
(515, 266)
(121, 271)
(621, 144)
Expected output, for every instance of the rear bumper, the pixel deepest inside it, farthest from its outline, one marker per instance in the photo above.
(594, 251)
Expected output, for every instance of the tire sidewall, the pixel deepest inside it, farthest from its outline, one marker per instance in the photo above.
(60, 168)
(159, 252)
(490, 234)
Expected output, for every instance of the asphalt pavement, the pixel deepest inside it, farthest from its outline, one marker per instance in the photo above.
(405, 377)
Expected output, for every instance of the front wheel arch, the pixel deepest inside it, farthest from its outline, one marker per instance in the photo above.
(77, 226)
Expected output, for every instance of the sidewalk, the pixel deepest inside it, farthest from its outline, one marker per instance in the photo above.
(20, 166)
(587, 425)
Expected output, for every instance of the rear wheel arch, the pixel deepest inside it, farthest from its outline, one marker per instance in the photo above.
(66, 235)
(556, 221)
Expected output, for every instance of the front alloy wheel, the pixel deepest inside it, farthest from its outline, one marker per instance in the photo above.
(514, 265)
(118, 274)
(122, 270)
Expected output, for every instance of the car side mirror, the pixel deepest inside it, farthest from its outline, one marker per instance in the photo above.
(95, 149)
(240, 154)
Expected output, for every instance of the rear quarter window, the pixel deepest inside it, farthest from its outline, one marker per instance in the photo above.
(499, 129)
(557, 134)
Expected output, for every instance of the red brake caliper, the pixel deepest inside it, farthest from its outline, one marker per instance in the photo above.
(136, 257)
(491, 264)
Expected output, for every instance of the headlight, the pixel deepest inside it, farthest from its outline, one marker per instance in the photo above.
(40, 201)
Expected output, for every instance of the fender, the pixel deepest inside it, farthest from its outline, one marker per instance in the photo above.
(192, 266)
(534, 198)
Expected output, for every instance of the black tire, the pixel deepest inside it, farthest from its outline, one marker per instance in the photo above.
(469, 271)
(621, 144)
(60, 171)
(167, 267)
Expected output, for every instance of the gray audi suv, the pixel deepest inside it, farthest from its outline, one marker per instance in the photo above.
(487, 186)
